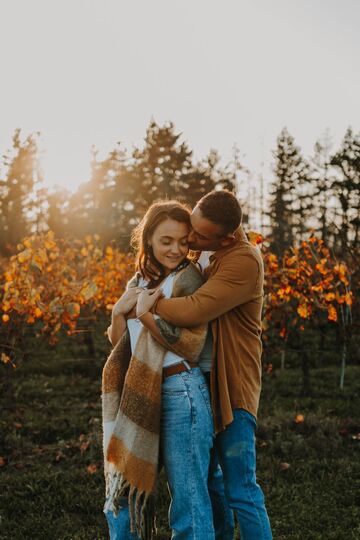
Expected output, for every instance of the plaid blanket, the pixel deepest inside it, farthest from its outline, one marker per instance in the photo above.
(131, 400)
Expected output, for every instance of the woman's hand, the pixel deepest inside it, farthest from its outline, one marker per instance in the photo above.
(146, 300)
(127, 301)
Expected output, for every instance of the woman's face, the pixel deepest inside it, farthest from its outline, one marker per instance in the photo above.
(169, 243)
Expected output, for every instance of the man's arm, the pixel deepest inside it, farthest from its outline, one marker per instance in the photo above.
(149, 322)
(232, 285)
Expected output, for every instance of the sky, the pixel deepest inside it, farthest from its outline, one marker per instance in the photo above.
(95, 72)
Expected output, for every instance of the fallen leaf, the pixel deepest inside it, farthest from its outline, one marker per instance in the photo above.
(84, 446)
(2, 461)
(92, 468)
(59, 456)
(284, 466)
(299, 419)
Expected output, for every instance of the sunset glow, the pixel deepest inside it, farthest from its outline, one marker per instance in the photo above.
(88, 73)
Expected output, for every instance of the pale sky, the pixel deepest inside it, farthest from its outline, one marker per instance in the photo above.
(94, 72)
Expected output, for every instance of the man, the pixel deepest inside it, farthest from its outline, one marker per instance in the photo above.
(231, 299)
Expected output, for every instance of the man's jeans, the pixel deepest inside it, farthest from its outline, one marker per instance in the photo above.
(234, 486)
(186, 440)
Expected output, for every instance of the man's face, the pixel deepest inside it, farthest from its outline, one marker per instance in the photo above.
(206, 235)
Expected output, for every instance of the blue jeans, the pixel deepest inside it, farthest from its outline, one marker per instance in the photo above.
(186, 440)
(235, 451)
(119, 526)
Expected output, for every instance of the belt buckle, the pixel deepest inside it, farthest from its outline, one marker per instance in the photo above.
(186, 365)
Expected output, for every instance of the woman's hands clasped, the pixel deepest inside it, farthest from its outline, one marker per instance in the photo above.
(127, 301)
(146, 300)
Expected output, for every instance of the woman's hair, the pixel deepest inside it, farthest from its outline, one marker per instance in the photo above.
(158, 212)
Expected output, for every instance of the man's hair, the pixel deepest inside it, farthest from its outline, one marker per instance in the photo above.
(222, 208)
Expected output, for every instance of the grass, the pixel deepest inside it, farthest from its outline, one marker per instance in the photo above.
(51, 483)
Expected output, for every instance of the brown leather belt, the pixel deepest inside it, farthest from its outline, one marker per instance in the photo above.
(173, 370)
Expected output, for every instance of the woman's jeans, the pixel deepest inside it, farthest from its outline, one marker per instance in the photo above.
(234, 486)
(186, 440)
(119, 526)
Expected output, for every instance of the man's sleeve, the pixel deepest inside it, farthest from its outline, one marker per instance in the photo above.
(232, 285)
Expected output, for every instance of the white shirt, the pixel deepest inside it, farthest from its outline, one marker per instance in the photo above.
(203, 260)
(135, 326)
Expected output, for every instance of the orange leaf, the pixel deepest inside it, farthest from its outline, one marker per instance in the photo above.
(24, 255)
(88, 291)
(282, 332)
(92, 468)
(299, 419)
(5, 358)
(304, 311)
(255, 237)
(332, 314)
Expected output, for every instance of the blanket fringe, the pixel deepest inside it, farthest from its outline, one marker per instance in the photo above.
(141, 505)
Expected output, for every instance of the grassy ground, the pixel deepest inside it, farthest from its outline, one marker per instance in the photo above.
(51, 484)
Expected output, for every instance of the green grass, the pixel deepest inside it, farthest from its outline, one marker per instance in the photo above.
(51, 433)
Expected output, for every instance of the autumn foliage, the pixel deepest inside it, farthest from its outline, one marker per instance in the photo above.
(52, 282)
(307, 283)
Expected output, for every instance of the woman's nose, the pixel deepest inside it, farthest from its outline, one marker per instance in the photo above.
(175, 248)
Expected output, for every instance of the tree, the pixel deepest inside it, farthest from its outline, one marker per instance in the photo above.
(289, 198)
(17, 201)
(347, 189)
(57, 212)
(310, 281)
(321, 179)
(98, 206)
(163, 165)
(121, 188)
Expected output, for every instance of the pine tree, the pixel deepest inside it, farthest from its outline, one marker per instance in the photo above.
(347, 189)
(17, 201)
(163, 163)
(122, 187)
(58, 219)
(97, 206)
(321, 179)
(207, 175)
(289, 196)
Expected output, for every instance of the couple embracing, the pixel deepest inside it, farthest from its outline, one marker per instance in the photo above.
(181, 386)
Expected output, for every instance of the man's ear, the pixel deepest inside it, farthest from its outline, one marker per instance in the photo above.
(229, 239)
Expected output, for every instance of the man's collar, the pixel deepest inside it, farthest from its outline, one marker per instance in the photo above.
(240, 237)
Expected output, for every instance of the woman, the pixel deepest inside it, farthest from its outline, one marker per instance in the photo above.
(153, 388)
